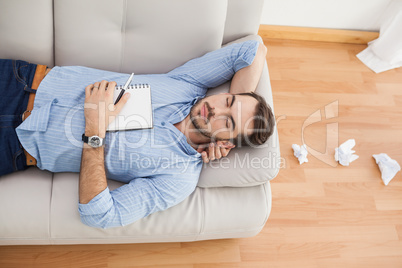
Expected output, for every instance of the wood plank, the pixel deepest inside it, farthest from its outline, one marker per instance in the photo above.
(187, 253)
(316, 34)
(340, 234)
(297, 190)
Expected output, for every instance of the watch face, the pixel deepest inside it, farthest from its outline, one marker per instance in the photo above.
(94, 141)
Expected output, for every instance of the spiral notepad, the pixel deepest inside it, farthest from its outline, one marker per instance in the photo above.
(137, 112)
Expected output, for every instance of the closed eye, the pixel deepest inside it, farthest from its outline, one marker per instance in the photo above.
(233, 99)
(230, 117)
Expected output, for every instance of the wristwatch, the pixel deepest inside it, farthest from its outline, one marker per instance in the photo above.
(93, 141)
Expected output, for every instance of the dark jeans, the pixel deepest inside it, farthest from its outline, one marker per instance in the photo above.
(15, 85)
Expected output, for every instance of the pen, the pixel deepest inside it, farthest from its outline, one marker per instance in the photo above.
(124, 88)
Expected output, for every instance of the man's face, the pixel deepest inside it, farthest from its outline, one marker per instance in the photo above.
(224, 116)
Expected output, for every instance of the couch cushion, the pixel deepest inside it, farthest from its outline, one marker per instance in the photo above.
(143, 36)
(245, 166)
(25, 197)
(26, 31)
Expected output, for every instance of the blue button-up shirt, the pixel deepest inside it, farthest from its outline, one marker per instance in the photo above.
(159, 167)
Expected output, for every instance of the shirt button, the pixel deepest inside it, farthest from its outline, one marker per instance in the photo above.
(55, 101)
(163, 123)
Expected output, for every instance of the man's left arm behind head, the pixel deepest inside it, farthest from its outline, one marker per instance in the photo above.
(247, 78)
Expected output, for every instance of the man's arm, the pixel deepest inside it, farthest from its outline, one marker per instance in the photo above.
(139, 198)
(98, 109)
(92, 174)
(246, 79)
(217, 67)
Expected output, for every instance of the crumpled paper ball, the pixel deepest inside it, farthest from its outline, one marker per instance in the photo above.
(344, 153)
(300, 152)
(388, 167)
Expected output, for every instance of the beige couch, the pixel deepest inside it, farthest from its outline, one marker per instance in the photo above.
(233, 197)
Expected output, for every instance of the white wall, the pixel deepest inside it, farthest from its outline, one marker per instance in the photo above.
(337, 14)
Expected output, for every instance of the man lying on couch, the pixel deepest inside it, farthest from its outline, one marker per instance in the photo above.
(160, 166)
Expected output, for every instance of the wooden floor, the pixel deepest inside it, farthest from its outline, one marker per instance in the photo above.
(322, 215)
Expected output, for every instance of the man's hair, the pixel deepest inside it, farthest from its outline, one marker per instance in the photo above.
(264, 122)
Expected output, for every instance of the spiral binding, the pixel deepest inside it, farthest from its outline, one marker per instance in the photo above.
(135, 86)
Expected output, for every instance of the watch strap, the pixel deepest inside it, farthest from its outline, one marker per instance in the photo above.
(85, 138)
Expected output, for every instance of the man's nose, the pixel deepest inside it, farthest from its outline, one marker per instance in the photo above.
(211, 113)
(219, 111)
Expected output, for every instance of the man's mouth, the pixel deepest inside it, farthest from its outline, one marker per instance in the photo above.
(204, 112)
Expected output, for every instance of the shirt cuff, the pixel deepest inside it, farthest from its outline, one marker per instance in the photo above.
(98, 205)
(246, 54)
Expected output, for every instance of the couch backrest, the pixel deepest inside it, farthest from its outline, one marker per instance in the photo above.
(141, 36)
(242, 19)
(144, 36)
(26, 30)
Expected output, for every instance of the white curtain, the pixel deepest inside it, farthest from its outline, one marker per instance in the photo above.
(385, 53)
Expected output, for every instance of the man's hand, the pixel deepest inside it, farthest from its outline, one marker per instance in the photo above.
(99, 108)
(212, 151)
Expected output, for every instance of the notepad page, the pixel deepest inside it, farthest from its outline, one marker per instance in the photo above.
(137, 112)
